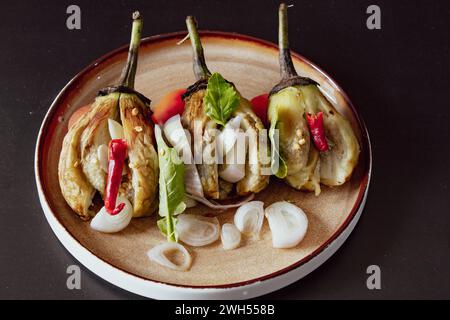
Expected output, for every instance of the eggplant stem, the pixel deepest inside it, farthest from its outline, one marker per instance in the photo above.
(200, 69)
(129, 71)
(287, 69)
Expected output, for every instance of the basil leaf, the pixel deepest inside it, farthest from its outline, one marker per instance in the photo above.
(221, 99)
(171, 186)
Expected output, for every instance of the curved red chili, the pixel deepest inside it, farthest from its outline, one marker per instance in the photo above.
(116, 161)
(315, 123)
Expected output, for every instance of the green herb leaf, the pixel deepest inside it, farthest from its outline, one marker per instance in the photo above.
(162, 225)
(171, 187)
(281, 170)
(221, 99)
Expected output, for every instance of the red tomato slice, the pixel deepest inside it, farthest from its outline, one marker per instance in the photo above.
(260, 104)
(77, 114)
(171, 104)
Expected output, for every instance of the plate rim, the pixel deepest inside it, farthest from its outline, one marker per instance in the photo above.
(355, 212)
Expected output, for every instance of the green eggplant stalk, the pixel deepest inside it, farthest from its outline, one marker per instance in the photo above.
(300, 163)
(213, 186)
(80, 170)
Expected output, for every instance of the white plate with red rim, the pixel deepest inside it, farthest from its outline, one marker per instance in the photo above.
(255, 268)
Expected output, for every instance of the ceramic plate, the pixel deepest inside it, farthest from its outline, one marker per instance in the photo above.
(255, 268)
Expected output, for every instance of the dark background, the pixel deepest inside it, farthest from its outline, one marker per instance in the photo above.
(397, 77)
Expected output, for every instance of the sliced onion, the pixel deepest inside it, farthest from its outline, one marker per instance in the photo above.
(106, 223)
(179, 139)
(233, 169)
(196, 230)
(229, 135)
(159, 253)
(190, 203)
(249, 218)
(115, 129)
(232, 172)
(218, 206)
(288, 224)
(192, 182)
(102, 155)
(230, 236)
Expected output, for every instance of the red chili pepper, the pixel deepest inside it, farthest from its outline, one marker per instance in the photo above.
(116, 160)
(315, 123)
(260, 105)
(169, 105)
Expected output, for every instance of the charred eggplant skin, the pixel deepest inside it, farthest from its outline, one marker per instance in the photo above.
(289, 76)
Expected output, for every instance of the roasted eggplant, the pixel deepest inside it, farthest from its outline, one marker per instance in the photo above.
(80, 169)
(196, 113)
(307, 154)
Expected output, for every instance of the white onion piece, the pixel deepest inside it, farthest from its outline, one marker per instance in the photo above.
(230, 236)
(196, 230)
(192, 182)
(179, 139)
(159, 253)
(288, 224)
(232, 172)
(249, 218)
(102, 155)
(218, 206)
(106, 223)
(115, 129)
(190, 203)
(229, 135)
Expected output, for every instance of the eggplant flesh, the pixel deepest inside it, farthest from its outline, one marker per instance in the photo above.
(255, 179)
(194, 118)
(256, 176)
(287, 111)
(80, 172)
(214, 187)
(143, 159)
(95, 135)
(75, 187)
(336, 164)
(290, 100)
(308, 178)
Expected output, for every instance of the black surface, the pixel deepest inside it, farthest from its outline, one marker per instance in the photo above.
(397, 77)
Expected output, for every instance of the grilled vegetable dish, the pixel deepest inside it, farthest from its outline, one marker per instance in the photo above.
(110, 149)
(206, 144)
(316, 143)
(213, 103)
